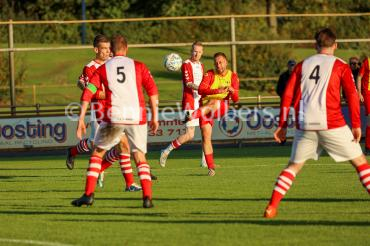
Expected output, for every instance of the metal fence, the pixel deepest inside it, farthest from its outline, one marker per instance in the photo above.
(232, 42)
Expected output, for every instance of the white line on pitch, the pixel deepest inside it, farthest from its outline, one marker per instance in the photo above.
(8, 240)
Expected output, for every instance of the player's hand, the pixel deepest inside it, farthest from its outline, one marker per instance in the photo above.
(154, 125)
(81, 129)
(280, 135)
(356, 134)
(101, 95)
(231, 89)
(361, 97)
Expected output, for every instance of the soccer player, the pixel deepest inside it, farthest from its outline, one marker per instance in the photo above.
(124, 116)
(192, 73)
(314, 91)
(363, 89)
(101, 46)
(216, 89)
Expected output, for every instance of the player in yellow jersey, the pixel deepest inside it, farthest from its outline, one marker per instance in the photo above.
(217, 88)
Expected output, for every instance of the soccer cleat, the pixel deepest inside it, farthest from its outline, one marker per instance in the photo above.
(211, 172)
(84, 200)
(153, 177)
(270, 212)
(147, 202)
(70, 162)
(163, 158)
(134, 187)
(101, 180)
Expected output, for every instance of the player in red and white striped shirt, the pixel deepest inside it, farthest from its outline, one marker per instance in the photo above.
(314, 91)
(102, 50)
(124, 116)
(192, 73)
(363, 89)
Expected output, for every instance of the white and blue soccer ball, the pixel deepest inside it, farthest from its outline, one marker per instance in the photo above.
(172, 62)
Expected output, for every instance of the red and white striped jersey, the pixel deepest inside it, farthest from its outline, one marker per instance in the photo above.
(192, 72)
(98, 104)
(124, 79)
(314, 90)
(365, 73)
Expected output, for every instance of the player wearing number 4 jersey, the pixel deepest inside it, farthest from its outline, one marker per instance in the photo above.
(314, 91)
(124, 116)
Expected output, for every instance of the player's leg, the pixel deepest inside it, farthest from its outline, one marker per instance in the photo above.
(206, 129)
(367, 132)
(125, 165)
(107, 136)
(83, 146)
(212, 106)
(175, 144)
(305, 146)
(340, 146)
(137, 137)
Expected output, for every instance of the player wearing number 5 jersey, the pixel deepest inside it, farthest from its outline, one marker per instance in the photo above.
(314, 91)
(124, 116)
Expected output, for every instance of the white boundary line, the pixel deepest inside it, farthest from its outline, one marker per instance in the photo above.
(26, 241)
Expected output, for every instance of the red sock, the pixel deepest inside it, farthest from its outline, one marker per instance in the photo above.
(196, 114)
(145, 179)
(209, 160)
(125, 163)
(92, 174)
(364, 174)
(111, 157)
(81, 147)
(175, 144)
(282, 185)
(367, 137)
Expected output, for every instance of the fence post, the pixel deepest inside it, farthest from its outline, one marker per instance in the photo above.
(233, 46)
(34, 93)
(11, 68)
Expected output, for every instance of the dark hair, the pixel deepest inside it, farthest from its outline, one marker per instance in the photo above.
(325, 38)
(118, 42)
(100, 38)
(196, 43)
(219, 54)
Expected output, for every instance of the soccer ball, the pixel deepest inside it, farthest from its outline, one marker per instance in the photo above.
(172, 62)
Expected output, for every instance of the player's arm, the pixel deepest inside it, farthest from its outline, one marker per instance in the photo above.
(350, 91)
(234, 88)
(186, 77)
(205, 86)
(359, 80)
(152, 91)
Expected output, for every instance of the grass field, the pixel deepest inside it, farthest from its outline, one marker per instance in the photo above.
(326, 206)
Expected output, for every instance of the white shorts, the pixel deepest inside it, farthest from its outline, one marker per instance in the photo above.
(191, 123)
(337, 142)
(110, 135)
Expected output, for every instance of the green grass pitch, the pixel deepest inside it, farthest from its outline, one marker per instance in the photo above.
(326, 205)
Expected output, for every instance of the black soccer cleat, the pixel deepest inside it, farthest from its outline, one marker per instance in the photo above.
(70, 162)
(84, 200)
(147, 202)
(153, 177)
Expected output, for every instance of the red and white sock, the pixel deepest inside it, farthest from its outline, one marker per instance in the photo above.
(81, 147)
(92, 174)
(283, 184)
(111, 157)
(209, 160)
(145, 179)
(175, 144)
(126, 169)
(364, 174)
